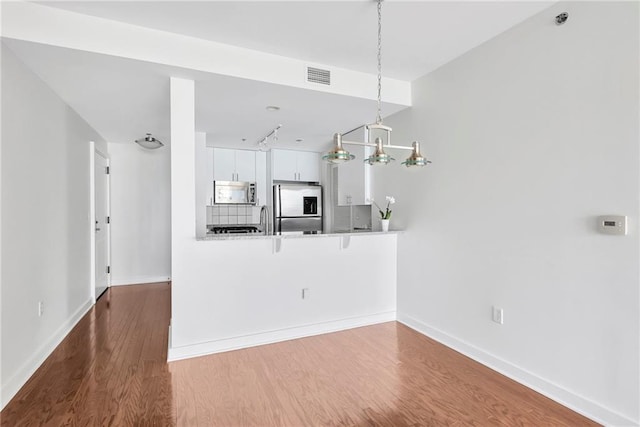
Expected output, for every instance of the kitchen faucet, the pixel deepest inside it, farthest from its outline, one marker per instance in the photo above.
(264, 213)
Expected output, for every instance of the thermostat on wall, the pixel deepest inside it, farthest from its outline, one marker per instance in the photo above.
(613, 224)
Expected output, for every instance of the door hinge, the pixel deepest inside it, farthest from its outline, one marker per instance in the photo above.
(107, 170)
(108, 221)
(108, 269)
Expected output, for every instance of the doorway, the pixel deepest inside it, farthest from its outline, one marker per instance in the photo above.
(101, 223)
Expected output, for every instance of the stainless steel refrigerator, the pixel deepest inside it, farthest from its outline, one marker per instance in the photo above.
(297, 208)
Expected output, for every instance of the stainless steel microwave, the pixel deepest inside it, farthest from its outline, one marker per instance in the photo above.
(234, 193)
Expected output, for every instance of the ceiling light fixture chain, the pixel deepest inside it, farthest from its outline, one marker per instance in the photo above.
(379, 115)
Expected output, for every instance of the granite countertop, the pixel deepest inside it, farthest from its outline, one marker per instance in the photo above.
(257, 236)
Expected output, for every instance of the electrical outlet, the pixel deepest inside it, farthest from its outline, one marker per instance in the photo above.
(305, 293)
(40, 308)
(498, 315)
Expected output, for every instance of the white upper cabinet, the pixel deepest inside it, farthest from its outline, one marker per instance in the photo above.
(224, 164)
(234, 165)
(290, 165)
(285, 165)
(308, 166)
(245, 165)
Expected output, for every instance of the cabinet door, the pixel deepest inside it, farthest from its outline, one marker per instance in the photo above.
(224, 164)
(284, 165)
(245, 165)
(308, 166)
(209, 177)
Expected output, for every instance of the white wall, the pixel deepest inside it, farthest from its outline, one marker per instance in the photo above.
(532, 135)
(140, 214)
(45, 221)
(237, 293)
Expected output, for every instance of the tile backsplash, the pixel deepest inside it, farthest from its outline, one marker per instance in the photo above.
(232, 214)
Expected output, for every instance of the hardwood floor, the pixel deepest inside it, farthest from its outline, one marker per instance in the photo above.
(111, 370)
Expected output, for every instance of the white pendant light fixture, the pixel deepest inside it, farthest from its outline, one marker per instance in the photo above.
(377, 130)
(149, 142)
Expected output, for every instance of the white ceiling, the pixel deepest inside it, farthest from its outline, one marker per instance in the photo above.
(123, 99)
(418, 36)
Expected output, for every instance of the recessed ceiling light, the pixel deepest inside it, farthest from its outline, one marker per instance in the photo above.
(299, 140)
(272, 108)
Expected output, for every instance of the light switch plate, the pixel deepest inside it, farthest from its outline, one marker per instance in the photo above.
(613, 224)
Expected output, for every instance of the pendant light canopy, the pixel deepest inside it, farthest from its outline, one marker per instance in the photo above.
(149, 142)
(374, 130)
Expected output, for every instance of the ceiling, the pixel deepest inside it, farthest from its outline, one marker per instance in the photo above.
(418, 36)
(123, 98)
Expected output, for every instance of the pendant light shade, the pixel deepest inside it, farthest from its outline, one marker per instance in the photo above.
(338, 154)
(149, 142)
(416, 159)
(379, 157)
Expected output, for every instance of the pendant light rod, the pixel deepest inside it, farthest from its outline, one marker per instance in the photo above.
(352, 130)
(370, 144)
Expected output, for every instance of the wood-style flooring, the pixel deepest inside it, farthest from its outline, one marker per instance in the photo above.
(111, 370)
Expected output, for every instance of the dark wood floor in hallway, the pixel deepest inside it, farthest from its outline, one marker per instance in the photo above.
(112, 370)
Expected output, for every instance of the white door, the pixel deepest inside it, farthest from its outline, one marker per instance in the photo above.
(101, 223)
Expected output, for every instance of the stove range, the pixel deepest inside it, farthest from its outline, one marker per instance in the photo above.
(235, 229)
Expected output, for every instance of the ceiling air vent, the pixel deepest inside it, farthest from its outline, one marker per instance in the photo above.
(316, 75)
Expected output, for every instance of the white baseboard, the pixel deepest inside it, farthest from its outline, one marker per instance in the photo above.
(29, 367)
(547, 388)
(140, 280)
(235, 343)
